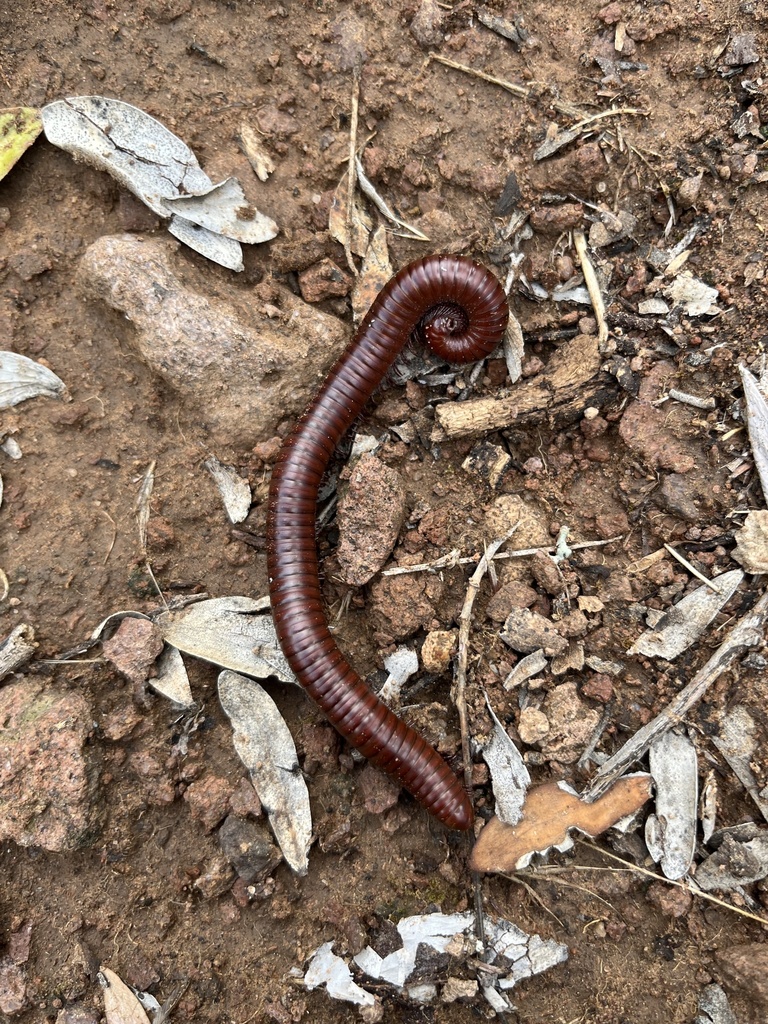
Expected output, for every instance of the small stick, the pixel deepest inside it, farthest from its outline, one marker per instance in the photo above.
(451, 559)
(590, 279)
(692, 569)
(693, 890)
(748, 632)
(142, 504)
(458, 693)
(697, 403)
(351, 180)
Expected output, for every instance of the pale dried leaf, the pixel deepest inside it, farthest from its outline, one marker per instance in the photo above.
(142, 504)
(740, 858)
(374, 273)
(736, 742)
(120, 1004)
(696, 297)
(227, 632)
(510, 778)
(171, 679)
(528, 667)
(433, 930)
(757, 425)
(235, 490)
(325, 968)
(513, 346)
(684, 622)
(259, 159)
(265, 746)
(22, 378)
(349, 231)
(549, 813)
(752, 542)
(224, 210)
(367, 187)
(670, 833)
(401, 665)
(215, 247)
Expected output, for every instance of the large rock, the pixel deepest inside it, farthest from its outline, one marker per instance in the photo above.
(241, 370)
(48, 775)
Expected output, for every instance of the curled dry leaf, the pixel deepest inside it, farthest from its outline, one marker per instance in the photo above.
(217, 248)
(670, 833)
(549, 813)
(22, 378)
(19, 127)
(684, 622)
(353, 230)
(235, 491)
(224, 210)
(120, 1004)
(266, 748)
(259, 159)
(171, 679)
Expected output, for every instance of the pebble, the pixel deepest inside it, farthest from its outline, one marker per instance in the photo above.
(370, 516)
(744, 969)
(526, 631)
(48, 774)
(572, 723)
(546, 573)
(324, 280)
(427, 24)
(532, 726)
(508, 597)
(133, 648)
(248, 848)
(459, 990)
(13, 987)
(438, 649)
(208, 799)
(643, 428)
(380, 793)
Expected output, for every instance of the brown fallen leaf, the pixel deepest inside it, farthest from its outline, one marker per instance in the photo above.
(548, 814)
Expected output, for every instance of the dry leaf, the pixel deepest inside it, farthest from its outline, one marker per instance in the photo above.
(120, 1004)
(374, 273)
(549, 812)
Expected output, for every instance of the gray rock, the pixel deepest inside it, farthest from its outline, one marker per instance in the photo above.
(239, 370)
(370, 515)
(248, 848)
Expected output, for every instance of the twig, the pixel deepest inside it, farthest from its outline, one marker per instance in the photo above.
(142, 504)
(694, 400)
(692, 569)
(452, 558)
(458, 693)
(693, 890)
(748, 632)
(351, 181)
(593, 287)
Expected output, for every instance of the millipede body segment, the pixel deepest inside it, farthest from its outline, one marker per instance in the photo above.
(461, 311)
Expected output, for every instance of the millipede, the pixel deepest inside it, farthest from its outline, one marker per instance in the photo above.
(460, 310)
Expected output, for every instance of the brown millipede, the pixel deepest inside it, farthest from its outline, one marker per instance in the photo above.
(460, 309)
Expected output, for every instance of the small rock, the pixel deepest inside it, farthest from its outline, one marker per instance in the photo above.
(752, 542)
(599, 687)
(461, 990)
(298, 253)
(13, 987)
(121, 722)
(378, 790)
(269, 450)
(688, 192)
(741, 50)
(671, 900)
(573, 624)
(532, 726)
(427, 24)
(248, 848)
(509, 596)
(245, 801)
(401, 605)
(438, 649)
(159, 789)
(678, 495)
(546, 573)
(48, 771)
(133, 648)
(208, 799)
(571, 721)
(370, 515)
(29, 264)
(576, 172)
(324, 280)
(18, 943)
(272, 121)
(744, 969)
(552, 220)
(526, 631)
(215, 878)
(643, 429)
